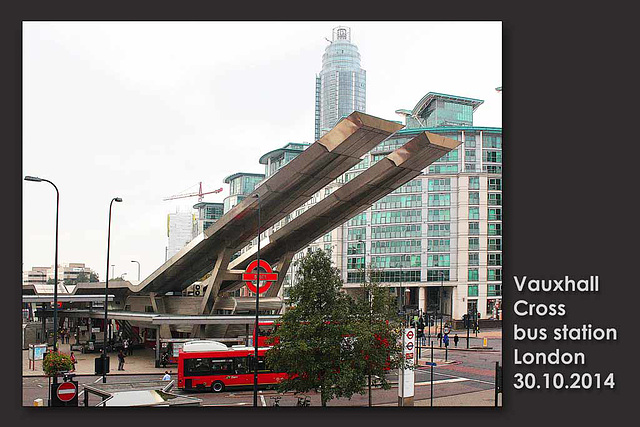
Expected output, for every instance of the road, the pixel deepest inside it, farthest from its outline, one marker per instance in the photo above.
(472, 372)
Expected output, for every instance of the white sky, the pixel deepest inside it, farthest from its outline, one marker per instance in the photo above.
(145, 110)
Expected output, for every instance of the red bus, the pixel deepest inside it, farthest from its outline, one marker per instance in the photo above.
(265, 330)
(211, 365)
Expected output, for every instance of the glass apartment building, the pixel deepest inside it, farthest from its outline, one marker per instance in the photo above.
(440, 235)
(437, 240)
(207, 214)
(341, 84)
(240, 185)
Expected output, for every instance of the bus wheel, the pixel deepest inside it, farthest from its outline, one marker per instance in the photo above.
(217, 386)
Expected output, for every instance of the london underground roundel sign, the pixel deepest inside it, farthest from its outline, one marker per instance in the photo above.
(66, 391)
(251, 276)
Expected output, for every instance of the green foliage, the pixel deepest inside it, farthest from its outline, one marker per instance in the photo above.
(329, 342)
(93, 277)
(54, 363)
(311, 335)
(378, 331)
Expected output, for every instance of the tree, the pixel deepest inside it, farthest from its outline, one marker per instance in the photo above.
(93, 277)
(82, 277)
(377, 331)
(310, 343)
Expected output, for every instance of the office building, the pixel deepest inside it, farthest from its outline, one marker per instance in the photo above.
(179, 231)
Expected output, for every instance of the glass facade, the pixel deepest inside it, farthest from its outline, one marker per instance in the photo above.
(341, 84)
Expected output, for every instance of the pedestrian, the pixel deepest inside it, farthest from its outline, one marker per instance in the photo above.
(167, 376)
(121, 357)
(125, 344)
(73, 362)
(66, 335)
(456, 339)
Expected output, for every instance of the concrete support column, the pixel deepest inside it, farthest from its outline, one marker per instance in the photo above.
(422, 299)
(157, 347)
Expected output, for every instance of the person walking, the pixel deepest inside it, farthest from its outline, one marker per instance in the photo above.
(121, 357)
(73, 362)
(455, 340)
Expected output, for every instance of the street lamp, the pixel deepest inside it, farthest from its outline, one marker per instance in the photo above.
(138, 269)
(55, 271)
(255, 328)
(106, 297)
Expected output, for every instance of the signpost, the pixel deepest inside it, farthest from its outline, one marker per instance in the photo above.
(269, 277)
(249, 276)
(406, 377)
(64, 394)
(36, 352)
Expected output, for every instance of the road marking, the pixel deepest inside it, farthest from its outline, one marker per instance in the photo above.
(262, 399)
(450, 380)
(463, 378)
(97, 380)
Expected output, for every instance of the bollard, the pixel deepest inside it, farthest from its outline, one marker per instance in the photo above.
(38, 402)
(484, 342)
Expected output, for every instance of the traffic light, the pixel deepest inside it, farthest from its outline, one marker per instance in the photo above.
(465, 319)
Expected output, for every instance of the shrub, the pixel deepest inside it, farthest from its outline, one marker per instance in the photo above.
(54, 363)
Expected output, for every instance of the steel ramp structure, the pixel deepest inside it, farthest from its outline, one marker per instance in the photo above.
(356, 196)
(294, 184)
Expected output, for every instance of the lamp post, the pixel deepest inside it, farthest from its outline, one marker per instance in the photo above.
(55, 265)
(255, 328)
(138, 269)
(106, 297)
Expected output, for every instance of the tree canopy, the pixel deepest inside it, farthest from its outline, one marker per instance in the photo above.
(328, 341)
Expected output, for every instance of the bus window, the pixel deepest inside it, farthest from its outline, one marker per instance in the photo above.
(261, 365)
(242, 366)
(221, 366)
(195, 367)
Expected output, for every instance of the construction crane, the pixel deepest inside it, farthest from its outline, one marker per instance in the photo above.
(200, 194)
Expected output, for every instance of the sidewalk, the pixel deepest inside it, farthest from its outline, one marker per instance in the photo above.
(142, 362)
(477, 398)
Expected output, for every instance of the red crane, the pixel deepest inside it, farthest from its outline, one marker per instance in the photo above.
(200, 194)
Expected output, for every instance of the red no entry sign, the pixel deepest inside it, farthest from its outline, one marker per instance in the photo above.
(250, 276)
(66, 391)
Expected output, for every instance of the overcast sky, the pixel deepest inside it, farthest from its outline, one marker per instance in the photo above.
(145, 110)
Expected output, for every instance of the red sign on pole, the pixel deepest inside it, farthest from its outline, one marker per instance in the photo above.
(66, 391)
(250, 276)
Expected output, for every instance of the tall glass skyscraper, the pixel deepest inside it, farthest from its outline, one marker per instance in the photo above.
(341, 85)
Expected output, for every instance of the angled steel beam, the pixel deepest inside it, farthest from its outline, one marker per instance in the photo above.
(391, 172)
(294, 184)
